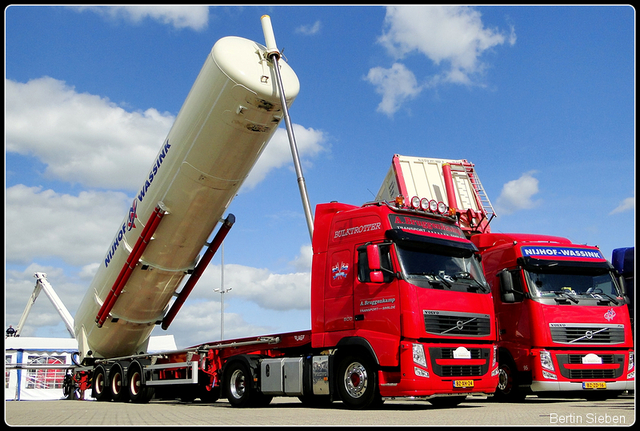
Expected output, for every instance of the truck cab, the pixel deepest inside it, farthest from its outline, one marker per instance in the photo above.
(400, 294)
(563, 322)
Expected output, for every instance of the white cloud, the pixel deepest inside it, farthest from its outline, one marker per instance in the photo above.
(278, 152)
(194, 17)
(85, 139)
(396, 85)
(517, 194)
(309, 29)
(626, 205)
(452, 37)
(82, 138)
(302, 262)
(76, 229)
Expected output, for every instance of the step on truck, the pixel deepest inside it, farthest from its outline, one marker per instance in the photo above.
(563, 321)
(399, 304)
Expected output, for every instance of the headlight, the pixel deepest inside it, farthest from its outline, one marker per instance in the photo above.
(545, 360)
(631, 361)
(418, 355)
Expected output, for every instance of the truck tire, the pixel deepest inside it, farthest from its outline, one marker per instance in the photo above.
(118, 383)
(100, 388)
(138, 391)
(238, 384)
(69, 388)
(508, 389)
(357, 382)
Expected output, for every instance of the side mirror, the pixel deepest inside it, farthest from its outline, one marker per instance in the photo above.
(506, 287)
(373, 258)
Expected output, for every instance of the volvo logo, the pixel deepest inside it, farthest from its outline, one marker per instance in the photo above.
(588, 335)
(460, 325)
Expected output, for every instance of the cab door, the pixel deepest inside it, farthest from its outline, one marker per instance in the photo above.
(376, 303)
(338, 299)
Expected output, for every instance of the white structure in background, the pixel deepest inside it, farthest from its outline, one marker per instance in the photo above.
(30, 372)
(33, 383)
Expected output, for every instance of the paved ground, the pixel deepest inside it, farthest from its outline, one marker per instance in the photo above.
(477, 410)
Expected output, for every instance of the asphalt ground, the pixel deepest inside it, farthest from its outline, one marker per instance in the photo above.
(475, 411)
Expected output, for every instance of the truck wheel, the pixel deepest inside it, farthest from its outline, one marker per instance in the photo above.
(508, 390)
(238, 385)
(138, 391)
(357, 382)
(117, 383)
(69, 389)
(100, 388)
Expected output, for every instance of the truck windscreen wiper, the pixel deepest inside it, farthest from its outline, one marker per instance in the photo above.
(565, 295)
(467, 276)
(611, 298)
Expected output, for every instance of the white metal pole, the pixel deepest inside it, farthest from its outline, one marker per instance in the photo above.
(273, 54)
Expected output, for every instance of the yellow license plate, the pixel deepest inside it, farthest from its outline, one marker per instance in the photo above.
(594, 385)
(463, 383)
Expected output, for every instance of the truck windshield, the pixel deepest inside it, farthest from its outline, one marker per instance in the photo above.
(442, 271)
(573, 287)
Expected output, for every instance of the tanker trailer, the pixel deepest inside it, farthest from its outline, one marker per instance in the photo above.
(227, 119)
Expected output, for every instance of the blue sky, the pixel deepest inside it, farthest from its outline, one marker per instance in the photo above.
(541, 99)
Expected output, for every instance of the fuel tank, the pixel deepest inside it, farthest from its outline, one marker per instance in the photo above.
(227, 119)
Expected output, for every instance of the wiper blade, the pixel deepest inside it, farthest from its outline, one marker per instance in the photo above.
(565, 295)
(442, 280)
(467, 276)
(611, 298)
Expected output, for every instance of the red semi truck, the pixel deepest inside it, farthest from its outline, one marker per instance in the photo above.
(399, 308)
(399, 303)
(563, 322)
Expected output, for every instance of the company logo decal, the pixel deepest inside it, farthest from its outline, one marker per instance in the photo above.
(129, 222)
(609, 315)
(133, 214)
(367, 305)
(357, 229)
(561, 252)
(424, 226)
(340, 270)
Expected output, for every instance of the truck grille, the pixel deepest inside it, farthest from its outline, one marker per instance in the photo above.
(595, 371)
(574, 333)
(459, 370)
(457, 324)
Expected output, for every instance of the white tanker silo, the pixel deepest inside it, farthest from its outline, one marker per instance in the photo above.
(231, 112)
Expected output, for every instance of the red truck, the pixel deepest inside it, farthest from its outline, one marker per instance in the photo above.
(563, 322)
(399, 308)
(399, 303)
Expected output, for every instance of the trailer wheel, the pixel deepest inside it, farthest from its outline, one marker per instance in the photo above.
(357, 382)
(138, 391)
(100, 388)
(117, 383)
(238, 385)
(69, 387)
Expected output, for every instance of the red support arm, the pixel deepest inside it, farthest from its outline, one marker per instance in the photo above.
(144, 238)
(198, 270)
